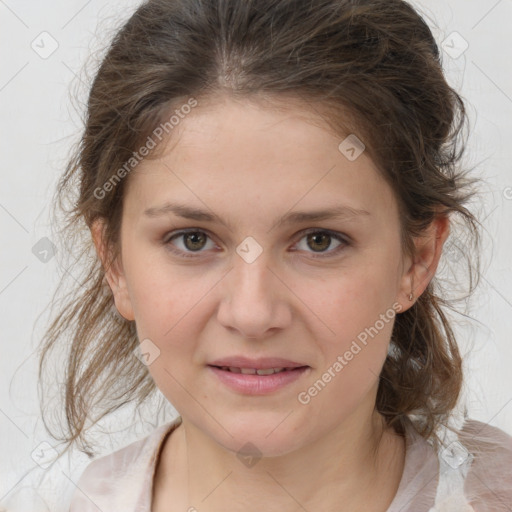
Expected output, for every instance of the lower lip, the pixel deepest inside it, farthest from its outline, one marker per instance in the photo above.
(258, 384)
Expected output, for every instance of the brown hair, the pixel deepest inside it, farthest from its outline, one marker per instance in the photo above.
(371, 67)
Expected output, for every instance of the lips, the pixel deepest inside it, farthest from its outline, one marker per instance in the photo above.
(252, 381)
(257, 376)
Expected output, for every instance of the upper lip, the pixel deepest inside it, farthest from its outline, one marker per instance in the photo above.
(263, 363)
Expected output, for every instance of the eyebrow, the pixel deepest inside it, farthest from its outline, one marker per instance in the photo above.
(192, 213)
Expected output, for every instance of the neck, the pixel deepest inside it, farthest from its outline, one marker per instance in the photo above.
(359, 467)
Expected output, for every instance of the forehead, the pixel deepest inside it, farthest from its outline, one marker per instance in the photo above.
(255, 157)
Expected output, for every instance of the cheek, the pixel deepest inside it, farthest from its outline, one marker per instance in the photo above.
(361, 316)
(353, 299)
(169, 304)
(160, 293)
(357, 313)
(165, 304)
(151, 300)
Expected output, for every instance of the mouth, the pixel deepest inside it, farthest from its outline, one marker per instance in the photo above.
(247, 365)
(258, 381)
(258, 371)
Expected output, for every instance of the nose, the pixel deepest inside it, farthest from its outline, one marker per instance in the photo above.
(254, 302)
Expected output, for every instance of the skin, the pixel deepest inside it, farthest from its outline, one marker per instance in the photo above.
(251, 164)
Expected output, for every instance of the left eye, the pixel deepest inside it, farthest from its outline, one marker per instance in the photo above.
(193, 241)
(322, 240)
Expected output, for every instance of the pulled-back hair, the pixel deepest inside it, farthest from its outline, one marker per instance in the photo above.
(369, 67)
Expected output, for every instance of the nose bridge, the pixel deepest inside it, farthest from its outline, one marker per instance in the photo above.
(251, 301)
(251, 274)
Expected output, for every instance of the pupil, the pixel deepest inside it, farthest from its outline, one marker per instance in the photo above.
(194, 237)
(324, 237)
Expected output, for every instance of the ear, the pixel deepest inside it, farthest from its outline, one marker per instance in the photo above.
(422, 267)
(114, 273)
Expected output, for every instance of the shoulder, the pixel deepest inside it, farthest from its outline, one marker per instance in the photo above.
(119, 481)
(488, 483)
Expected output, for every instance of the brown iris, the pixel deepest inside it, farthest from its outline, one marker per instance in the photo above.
(320, 238)
(197, 240)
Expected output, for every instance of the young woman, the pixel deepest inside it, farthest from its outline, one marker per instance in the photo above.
(268, 187)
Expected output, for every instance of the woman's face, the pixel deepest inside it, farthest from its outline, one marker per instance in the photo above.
(254, 279)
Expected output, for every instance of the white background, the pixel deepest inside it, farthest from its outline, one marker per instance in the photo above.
(39, 124)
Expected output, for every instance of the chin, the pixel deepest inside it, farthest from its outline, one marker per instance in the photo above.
(260, 438)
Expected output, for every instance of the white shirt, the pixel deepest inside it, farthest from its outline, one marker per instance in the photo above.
(474, 466)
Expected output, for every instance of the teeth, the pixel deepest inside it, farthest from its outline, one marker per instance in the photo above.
(252, 371)
(269, 371)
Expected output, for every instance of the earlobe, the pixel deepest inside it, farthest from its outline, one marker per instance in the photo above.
(114, 273)
(428, 250)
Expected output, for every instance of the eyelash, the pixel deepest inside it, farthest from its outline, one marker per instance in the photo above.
(333, 234)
